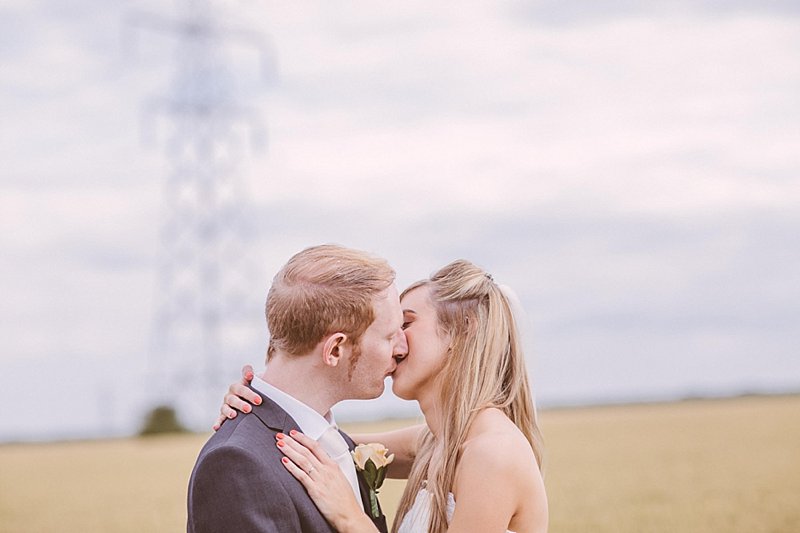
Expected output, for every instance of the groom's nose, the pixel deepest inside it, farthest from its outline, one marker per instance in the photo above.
(401, 346)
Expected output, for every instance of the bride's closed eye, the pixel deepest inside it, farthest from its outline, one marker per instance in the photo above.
(408, 318)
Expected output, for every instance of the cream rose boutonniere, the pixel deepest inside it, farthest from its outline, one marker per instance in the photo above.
(371, 460)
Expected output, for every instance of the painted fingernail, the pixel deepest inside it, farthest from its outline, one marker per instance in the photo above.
(293, 433)
(279, 436)
(281, 444)
(249, 376)
(247, 409)
(257, 401)
(285, 461)
(231, 415)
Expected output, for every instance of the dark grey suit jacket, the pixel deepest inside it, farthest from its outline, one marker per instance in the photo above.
(239, 484)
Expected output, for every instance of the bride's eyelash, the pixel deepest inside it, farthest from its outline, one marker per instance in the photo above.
(405, 325)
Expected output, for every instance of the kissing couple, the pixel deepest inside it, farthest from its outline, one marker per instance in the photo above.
(337, 329)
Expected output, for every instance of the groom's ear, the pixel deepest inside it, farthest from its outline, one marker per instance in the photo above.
(333, 349)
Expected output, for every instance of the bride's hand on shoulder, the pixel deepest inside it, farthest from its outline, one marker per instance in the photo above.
(238, 398)
(324, 481)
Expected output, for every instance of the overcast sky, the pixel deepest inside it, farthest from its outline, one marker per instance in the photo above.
(631, 169)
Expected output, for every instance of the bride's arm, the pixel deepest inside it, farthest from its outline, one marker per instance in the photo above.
(498, 487)
(401, 442)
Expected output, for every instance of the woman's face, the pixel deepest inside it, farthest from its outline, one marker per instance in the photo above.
(427, 347)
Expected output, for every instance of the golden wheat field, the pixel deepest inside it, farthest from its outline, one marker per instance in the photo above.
(700, 466)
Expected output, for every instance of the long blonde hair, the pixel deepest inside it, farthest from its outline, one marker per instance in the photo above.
(485, 368)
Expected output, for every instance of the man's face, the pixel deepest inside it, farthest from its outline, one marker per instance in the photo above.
(380, 343)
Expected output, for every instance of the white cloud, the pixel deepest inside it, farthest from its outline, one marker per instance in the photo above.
(645, 113)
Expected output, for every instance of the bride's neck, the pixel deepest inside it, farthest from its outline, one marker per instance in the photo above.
(432, 411)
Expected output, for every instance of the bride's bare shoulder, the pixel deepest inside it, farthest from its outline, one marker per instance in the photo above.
(493, 423)
(497, 455)
(494, 438)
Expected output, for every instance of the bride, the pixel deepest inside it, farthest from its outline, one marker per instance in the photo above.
(475, 465)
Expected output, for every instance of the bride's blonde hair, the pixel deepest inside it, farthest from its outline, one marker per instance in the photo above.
(485, 367)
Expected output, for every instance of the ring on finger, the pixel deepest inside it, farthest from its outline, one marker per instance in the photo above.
(310, 470)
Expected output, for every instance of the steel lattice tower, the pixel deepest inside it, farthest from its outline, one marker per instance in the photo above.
(203, 278)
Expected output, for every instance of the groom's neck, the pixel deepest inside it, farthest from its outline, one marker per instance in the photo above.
(297, 377)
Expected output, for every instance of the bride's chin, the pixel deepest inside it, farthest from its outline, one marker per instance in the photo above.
(398, 391)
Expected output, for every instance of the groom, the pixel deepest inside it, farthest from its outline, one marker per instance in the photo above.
(335, 330)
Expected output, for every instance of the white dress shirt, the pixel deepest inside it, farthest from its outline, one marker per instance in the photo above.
(323, 429)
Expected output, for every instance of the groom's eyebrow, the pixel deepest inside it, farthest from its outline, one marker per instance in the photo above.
(409, 311)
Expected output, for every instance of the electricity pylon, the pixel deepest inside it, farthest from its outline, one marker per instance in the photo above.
(204, 281)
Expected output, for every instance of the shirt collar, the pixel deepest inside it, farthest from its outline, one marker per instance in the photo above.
(311, 422)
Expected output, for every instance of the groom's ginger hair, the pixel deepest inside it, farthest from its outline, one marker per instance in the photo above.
(322, 290)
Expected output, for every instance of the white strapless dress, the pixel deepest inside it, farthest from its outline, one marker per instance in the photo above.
(418, 517)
